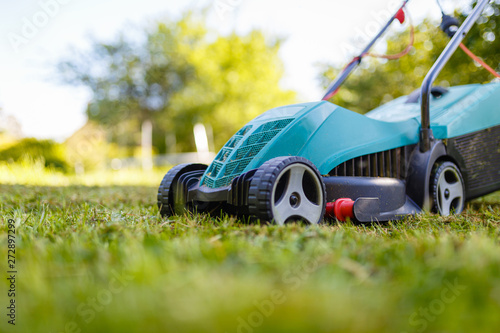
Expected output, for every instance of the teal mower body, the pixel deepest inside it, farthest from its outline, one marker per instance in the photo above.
(432, 150)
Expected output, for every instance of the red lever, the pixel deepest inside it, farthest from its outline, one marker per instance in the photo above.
(400, 15)
(340, 209)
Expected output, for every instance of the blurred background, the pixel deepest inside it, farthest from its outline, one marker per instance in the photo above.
(96, 89)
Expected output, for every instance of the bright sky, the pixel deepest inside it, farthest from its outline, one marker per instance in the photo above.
(34, 34)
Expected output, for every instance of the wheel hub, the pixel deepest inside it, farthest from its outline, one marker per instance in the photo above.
(295, 200)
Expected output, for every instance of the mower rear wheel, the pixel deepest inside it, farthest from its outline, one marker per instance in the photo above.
(447, 188)
(286, 189)
(172, 193)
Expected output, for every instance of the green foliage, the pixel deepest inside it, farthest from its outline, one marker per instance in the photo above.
(50, 152)
(101, 259)
(176, 74)
(238, 78)
(131, 81)
(377, 81)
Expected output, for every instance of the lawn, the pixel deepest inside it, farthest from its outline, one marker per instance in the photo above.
(98, 258)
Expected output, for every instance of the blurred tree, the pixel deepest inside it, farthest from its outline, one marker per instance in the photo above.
(174, 76)
(131, 81)
(379, 81)
(238, 78)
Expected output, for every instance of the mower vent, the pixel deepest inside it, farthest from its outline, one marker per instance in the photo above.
(390, 163)
(239, 151)
(481, 154)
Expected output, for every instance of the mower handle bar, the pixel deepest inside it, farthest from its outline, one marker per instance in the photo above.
(357, 60)
(426, 135)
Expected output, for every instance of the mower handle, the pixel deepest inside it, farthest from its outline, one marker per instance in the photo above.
(357, 60)
(425, 128)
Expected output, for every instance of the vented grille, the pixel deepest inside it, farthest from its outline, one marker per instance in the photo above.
(390, 163)
(481, 154)
(239, 151)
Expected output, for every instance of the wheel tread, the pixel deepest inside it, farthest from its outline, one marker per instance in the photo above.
(165, 197)
(163, 201)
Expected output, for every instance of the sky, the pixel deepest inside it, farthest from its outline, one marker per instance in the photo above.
(35, 34)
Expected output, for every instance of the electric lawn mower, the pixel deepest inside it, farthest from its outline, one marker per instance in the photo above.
(431, 150)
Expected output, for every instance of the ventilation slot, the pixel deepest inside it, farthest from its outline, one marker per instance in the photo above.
(391, 163)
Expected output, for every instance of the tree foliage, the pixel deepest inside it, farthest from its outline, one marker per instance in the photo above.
(237, 79)
(176, 74)
(377, 82)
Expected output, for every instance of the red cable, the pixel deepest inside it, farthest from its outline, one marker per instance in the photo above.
(407, 50)
(478, 60)
(384, 56)
(402, 53)
(330, 95)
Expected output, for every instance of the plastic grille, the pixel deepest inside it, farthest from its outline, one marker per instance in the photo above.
(223, 154)
(214, 169)
(261, 137)
(237, 153)
(233, 141)
(248, 151)
(277, 124)
(244, 130)
(209, 182)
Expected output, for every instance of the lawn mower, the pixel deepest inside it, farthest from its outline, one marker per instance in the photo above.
(432, 150)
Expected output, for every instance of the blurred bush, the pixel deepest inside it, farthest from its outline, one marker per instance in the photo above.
(87, 148)
(52, 153)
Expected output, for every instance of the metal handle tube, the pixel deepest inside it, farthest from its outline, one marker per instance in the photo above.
(347, 71)
(425, 128)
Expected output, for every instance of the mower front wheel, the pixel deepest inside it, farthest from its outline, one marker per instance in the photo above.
(286, 189)
(172, 193)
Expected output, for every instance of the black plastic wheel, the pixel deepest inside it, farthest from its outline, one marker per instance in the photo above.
(287, 189)
(173, 188)
(447, 189)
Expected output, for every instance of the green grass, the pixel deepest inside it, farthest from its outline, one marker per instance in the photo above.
(100, 259)
(29, 172)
